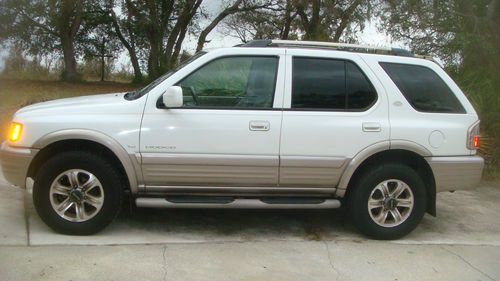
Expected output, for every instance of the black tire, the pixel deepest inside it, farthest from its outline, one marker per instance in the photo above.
(101, 169)
(362, 190)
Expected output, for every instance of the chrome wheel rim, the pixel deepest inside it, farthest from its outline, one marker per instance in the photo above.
(390, 203)
(76, 195)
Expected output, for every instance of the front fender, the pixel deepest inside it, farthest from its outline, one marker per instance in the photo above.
(128, 161)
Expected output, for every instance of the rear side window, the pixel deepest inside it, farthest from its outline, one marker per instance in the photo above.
(423, 88)
(330, 84)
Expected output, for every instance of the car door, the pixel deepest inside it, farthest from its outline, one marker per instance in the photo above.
(226, 133)
(334, 107)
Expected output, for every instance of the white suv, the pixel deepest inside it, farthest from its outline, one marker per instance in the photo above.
(268, 124)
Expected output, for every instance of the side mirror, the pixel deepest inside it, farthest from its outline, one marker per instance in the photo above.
(173, 97)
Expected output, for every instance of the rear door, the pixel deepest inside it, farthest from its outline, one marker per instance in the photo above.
(226, 134)
(334, 107)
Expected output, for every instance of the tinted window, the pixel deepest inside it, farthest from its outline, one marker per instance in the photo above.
(423, 88)
(360, 92)
(330, 84)
(232, 82)
(318, 83)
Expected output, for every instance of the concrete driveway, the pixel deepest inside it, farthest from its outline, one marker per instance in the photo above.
(462, 243)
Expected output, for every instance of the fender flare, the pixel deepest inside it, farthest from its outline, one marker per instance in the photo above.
(371, 150)
(84, 134)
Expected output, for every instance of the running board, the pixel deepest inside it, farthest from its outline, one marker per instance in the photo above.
(238, 203)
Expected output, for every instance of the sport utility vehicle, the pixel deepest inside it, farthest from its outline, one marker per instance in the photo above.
(268, 124)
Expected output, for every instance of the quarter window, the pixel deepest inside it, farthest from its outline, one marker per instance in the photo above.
(423, 88)
(330, 84)
(236, 82)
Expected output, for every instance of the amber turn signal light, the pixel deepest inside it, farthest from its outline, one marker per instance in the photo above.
(15, 131)
(476, 141)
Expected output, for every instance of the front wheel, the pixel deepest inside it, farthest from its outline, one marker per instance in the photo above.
(77, 193)
(388, 201)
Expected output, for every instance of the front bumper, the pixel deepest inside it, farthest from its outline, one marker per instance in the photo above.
(15, 162)
(456, 172)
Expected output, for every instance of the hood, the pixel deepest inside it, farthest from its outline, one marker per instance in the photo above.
(73, 105)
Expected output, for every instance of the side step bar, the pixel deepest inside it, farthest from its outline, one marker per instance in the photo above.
(238, 203)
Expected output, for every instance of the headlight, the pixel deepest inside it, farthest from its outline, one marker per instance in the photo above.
(15, 131)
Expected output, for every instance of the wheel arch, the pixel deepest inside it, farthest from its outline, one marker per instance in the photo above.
(404, 152)
(79, 139)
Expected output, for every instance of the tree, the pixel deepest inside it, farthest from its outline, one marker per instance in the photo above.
(163, 25)
(238, 6)
(301, 19)
(127, 34)
(101, 43)
(44, 25)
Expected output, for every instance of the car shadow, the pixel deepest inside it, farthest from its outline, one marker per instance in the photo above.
(245, 224)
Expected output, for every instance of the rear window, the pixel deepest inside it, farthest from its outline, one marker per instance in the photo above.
(423, 88)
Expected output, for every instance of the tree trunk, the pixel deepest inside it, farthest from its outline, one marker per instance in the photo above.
(179, 28)
(226, 12)
(345, 20)
(68, 26)
(138, 78)
(137, 69)
(103, 57)
(288, 21)
(70, 73)
(154, 58)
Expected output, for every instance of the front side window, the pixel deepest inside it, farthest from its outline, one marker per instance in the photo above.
(329, 84)
(233, 82)
(423, 88)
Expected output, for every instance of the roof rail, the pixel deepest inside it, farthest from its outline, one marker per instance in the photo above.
(330, 45)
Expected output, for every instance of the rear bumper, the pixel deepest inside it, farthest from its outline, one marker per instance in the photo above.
(457, 172)
(15, 162)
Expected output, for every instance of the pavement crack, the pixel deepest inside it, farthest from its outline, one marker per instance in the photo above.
(164, 265)
(331, 261)
(467, 262)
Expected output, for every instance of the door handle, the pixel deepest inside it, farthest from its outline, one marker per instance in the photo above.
(371, 127)
(259, 126)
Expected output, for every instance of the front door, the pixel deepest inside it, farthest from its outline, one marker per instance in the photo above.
(227, 132)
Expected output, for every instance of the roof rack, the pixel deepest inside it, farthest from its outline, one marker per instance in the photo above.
(330, 45)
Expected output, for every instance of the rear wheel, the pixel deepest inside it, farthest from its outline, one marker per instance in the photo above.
(388, 201)
(77, 193)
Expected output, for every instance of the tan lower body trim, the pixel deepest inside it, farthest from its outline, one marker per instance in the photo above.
(239, 191)
(456, 172)
(311, 171)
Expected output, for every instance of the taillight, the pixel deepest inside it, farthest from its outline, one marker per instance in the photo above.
(473, 137)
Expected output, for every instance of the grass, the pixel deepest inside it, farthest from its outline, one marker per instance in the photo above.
(15, 93)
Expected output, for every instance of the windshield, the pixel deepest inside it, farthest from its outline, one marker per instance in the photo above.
(141, 92)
